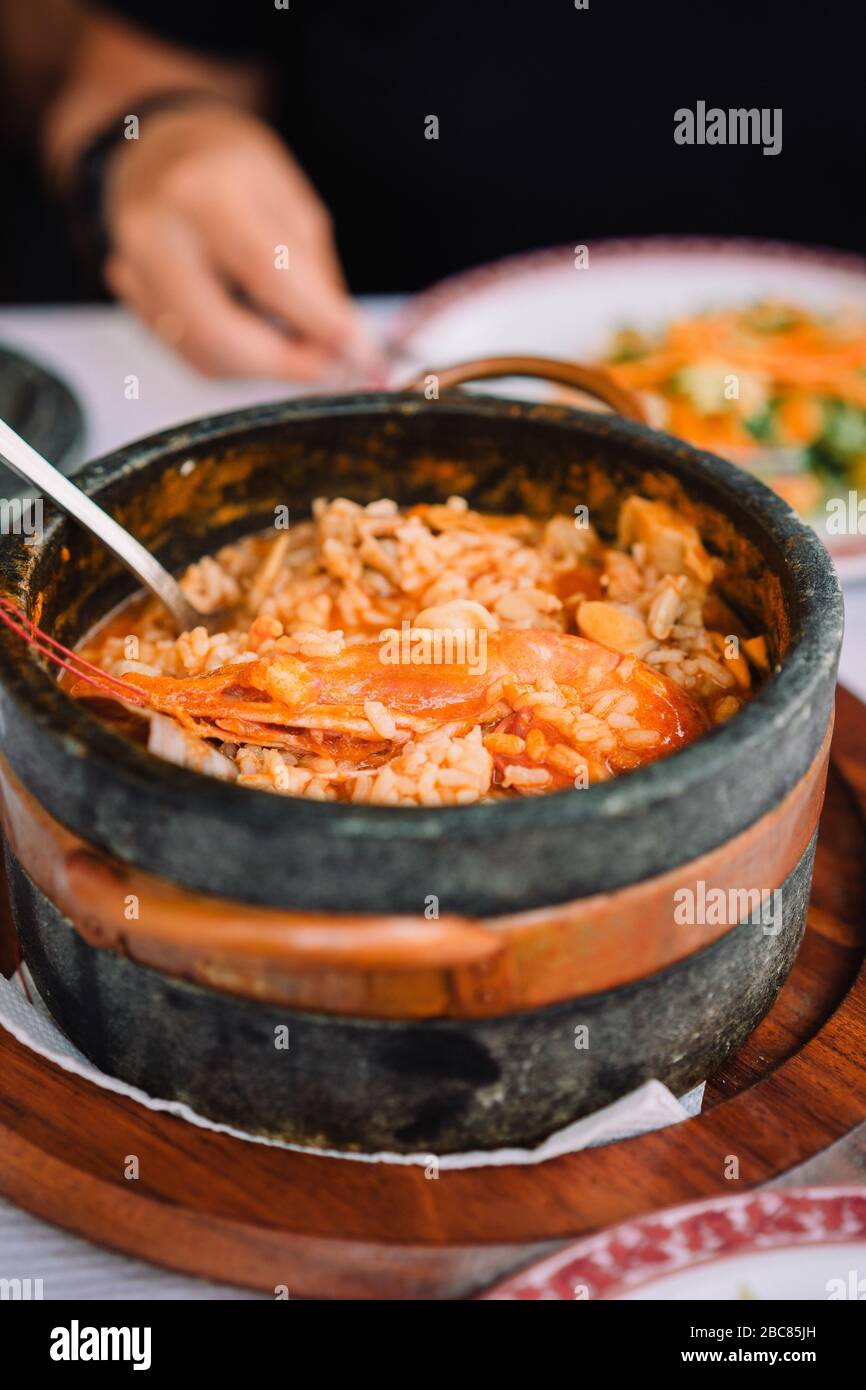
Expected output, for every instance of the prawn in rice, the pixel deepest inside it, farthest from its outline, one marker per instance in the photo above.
(436, 655)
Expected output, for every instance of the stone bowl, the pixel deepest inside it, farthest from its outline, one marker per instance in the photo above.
(557, 974)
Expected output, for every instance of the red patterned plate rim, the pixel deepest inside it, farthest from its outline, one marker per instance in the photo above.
(430, 302)
(625, 1257)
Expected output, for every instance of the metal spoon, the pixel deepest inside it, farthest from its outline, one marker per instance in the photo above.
(24, 460)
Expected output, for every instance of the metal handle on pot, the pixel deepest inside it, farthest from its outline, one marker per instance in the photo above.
(594, 381)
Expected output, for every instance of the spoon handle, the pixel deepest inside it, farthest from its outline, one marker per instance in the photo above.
(24, 460)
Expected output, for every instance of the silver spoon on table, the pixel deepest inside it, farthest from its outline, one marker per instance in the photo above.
(24, 460)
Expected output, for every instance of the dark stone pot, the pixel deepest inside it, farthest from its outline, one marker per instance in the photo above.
(437, 1086)
(433, 1083)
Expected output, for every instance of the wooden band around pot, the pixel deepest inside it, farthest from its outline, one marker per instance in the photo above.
(379, 966)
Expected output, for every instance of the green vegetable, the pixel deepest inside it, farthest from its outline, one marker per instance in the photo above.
(762, 426)
(842, 441)
(628, 346)
(771, 318)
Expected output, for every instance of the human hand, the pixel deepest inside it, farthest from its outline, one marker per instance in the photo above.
(219, 242)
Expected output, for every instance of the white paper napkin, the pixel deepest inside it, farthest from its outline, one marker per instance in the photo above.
(651, 1106)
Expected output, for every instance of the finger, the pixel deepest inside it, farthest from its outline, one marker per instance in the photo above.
(127, 285)
(172, 287)
(293, 202)
(205, 352)
(294, 281)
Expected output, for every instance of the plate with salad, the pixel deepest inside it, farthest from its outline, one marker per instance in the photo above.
(752, 350)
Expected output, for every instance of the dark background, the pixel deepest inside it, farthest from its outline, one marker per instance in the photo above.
(556, 125)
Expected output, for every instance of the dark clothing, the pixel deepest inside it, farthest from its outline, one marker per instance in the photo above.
(556, 125)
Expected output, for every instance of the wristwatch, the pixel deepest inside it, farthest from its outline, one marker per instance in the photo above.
(85, 197)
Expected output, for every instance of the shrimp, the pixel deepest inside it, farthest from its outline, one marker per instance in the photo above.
(545, 701)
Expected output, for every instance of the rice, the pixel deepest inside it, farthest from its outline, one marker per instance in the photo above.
(380, 719)
(338, 581)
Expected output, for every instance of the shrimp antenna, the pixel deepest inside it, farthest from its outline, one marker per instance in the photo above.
(18, 622)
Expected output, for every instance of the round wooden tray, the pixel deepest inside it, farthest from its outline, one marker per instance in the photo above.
(229, 1210)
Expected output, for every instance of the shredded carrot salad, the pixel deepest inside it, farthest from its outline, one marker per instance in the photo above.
(774, 387)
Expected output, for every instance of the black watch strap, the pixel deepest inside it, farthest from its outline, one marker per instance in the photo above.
(87, 188)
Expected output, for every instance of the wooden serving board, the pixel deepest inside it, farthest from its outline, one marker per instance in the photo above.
(210, 1205)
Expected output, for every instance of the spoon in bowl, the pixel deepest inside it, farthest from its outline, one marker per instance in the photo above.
(29, 464)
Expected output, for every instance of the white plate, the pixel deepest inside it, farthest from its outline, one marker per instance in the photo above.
(543, 304)
(806, 1243)
(818, 1272)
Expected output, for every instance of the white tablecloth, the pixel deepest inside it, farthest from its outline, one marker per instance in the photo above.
(96, 349)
